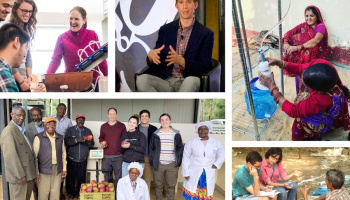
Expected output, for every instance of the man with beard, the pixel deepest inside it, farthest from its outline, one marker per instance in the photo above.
(36, 126)
(78, 139)
(19, 158)
(5, 8)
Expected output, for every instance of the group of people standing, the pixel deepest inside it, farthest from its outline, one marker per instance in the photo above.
(17, 37)
(39, 156)
(263, 174)
(321, 103)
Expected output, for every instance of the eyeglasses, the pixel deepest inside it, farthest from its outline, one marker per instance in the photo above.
(26, 11)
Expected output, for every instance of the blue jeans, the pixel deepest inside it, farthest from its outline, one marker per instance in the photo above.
(283, 191)
(125, 168)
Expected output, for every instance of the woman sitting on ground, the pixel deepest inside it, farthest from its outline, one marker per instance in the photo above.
(272, 168)
(326, 106)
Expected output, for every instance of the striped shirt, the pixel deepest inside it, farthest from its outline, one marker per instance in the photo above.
(183, 35)
(338, 194)
(61, 126)
(7, 81)
(167, 153)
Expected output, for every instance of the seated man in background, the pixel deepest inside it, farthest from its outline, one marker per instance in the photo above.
(182, 54)
(334, 180)
(246, 180)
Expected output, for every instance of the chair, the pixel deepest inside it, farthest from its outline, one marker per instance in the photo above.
(210, 80)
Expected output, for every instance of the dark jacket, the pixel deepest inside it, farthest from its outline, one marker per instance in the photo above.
(136, 151)
(45, 153)
(155, 147)
(77, 151)
(198, 52)
(151, 130)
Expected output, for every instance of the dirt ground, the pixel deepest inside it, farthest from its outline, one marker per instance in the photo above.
(311, 166)
(279, 128)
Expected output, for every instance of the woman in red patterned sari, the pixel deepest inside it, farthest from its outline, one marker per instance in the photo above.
(326, 107)
(306, 42)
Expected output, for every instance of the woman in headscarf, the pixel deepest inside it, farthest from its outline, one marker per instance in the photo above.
(203, 155)
(132, 186)
(306, 42)
(326, 106)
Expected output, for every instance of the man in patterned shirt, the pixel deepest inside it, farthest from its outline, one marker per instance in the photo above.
(334, 180)
(13, 48)
(182, 54)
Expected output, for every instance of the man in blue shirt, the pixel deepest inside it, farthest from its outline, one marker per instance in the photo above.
(246, 180)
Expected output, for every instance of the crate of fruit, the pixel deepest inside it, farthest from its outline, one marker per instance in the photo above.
(97, 191)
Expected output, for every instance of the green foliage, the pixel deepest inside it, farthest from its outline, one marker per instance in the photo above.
(218, 109)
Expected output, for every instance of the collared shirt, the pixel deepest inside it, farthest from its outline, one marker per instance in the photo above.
(7, 81)
(183, 35)
(36, 146)
(267, 173)
(22, 129)
(61, 126)
(39, 128)
(338, 194)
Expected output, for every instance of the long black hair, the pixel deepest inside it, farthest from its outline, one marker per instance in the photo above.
(322, 77)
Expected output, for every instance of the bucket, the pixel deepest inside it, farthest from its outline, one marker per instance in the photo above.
(264, 105)
(320, 192)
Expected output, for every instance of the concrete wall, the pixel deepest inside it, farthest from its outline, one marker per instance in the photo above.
(180, 110)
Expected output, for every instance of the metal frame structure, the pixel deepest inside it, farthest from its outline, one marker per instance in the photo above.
(242, 122)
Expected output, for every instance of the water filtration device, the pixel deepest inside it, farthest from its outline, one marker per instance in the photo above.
(93, 60)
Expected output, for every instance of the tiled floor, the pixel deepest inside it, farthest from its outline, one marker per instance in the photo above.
(217, 195)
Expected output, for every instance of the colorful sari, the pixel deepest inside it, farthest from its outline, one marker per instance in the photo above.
(201, 193)
(320, 112)
(298, 36)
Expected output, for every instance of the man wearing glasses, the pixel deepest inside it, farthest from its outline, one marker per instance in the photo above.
(5, 8)
(246, 180)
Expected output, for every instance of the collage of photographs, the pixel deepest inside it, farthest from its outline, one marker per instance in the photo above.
(185, 88)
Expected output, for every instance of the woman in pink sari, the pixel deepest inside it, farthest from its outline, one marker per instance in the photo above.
(306, 42)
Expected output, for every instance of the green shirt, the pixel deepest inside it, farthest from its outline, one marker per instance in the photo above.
(241, 180)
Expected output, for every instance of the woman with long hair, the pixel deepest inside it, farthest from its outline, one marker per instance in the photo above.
(24, 15)
(306, 42)
(133, 145)
(69, 43)
(326, 106)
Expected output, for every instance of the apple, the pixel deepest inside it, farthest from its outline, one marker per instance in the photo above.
(104, 143)
(124, 142)
(89, 137)
(94, 184)
(105, 182)
(110, 185)
(93, 181)
(111, 189)
(89, 189)
(107, 189)
(102, 189)
(101, 185)
(95, 189)
(88, 185)
(83, 187)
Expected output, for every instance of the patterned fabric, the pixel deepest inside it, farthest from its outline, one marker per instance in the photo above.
(61, 126)
(298, 36)
(339, 194)
(7, 81)
(167, 154)
(183, 35)
(201, 193)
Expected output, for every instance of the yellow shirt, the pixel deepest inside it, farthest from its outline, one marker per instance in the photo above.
(36, 148)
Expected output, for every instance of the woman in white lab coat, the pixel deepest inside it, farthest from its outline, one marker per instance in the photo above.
(132, 186)
(203, 155)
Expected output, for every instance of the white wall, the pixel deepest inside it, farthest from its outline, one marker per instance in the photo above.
(262, 15)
